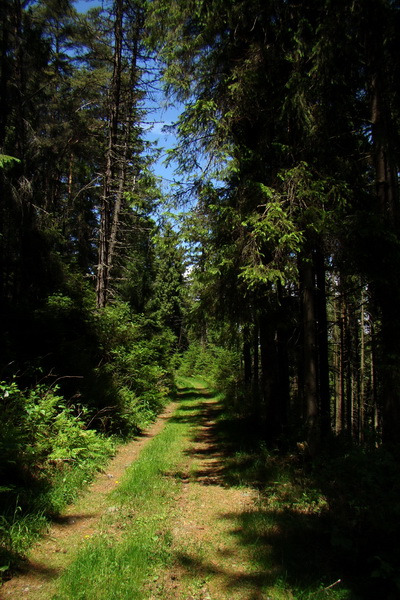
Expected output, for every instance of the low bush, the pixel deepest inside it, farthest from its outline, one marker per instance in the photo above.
(134, 377)
(46, 452)
(111, 375)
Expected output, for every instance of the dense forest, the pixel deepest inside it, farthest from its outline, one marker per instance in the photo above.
(279, 278)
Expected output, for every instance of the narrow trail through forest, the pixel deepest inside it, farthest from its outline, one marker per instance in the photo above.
(208, 560)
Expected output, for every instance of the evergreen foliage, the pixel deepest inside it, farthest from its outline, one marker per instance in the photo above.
(298, 127)
(282, 285)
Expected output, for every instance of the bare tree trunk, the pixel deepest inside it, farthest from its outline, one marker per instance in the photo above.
(348, 371)
(5, 73)
(284, 378)
(247, 370)
(343, 363)
(386, 176)
(107, 214)
(337, 365)
(256, 369)
(121, 114)
(268, 371)
(374, 392)
(361, 401)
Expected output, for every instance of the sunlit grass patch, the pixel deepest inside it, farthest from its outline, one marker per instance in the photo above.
(119, 567)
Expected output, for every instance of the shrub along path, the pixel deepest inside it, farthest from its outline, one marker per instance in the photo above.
(49, 557)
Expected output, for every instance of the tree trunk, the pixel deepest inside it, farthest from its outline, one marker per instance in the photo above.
(107, 210)
(310, 371)
(323, 358)
(284, 377)
(256, 370)
(361, 400)
(374, 391)
(5, 72)
(247, 358)
(337, 364)
(388, 293)
(268, 363)
(343, 364)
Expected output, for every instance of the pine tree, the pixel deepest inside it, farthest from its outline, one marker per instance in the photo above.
(283, 92)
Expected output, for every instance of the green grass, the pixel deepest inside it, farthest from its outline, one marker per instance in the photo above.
(298, 529)
(118, 562)
(27, 512)
(18, 532)
(287, 536)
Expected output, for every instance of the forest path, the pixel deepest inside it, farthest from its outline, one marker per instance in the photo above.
(208, 559)
(49, 557)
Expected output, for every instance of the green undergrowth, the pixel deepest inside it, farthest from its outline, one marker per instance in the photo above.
(134, 540)
(219, 367)
(48, 455)
(321, 531)
(77, 381)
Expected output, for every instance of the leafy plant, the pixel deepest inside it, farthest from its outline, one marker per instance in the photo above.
(46, 453)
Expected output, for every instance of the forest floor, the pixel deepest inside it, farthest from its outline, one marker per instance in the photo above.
(218, 548)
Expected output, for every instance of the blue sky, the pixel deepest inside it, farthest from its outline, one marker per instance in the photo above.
(164, 140)
(157, 118)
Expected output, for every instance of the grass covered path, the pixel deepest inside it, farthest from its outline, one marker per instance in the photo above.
(180, 516)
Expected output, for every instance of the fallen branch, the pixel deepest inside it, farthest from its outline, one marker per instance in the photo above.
(333, 584)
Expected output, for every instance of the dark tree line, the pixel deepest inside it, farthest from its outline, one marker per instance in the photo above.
(293, 111)
(296, 108)
(90, 281)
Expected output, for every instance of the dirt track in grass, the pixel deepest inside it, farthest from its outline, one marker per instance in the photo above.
(208, 558)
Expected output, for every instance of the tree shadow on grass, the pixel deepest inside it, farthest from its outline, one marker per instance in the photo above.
(187, 394)
(293, 533)
(313, 546)
(191, 409)
(298, 544)
(192, 393)
(20, 565)
(231, 581)
(39, 570)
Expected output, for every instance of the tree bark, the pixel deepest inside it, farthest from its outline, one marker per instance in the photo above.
(269, 375)
(361, 400)
(107, 210)
(388, 293)
(123, 91)
(310, 371)
(247, 358)
(323, 357)
(256, 369)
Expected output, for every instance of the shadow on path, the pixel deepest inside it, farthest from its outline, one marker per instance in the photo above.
(287, 543)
